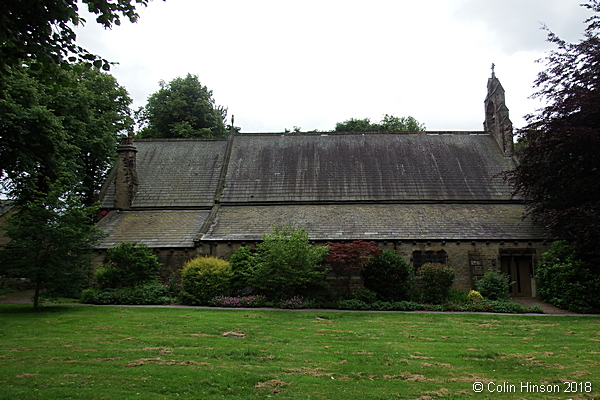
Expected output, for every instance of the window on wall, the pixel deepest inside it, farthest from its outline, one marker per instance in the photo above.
(423, 257)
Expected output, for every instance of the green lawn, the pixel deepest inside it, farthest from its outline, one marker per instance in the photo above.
(95, 352)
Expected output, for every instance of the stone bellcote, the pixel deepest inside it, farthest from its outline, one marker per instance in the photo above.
(497, 121)
(126, 181)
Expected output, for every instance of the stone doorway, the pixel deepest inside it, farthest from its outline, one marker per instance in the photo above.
(520, 270)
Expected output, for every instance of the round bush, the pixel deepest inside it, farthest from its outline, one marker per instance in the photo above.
(389, 276)
(494, 285)
(203, 278)
(435, 282)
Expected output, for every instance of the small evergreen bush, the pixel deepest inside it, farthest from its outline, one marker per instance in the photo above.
(203, 278)
(474, 296)
(494, 285)
(389, 276)
(435, 282)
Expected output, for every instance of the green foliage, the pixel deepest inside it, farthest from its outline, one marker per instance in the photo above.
(148, 293)
(353, 304)
(494, 285)
(288, 265)
(435, 281)
(559, 169)
(54, 131)
(52, 243)
(389, 123)
(182, 108)
(566, 281)
(366, 295)
(128, 265)
(242, 264)
(347, 260)
(389, 276)
(203, 278)
(43, 32)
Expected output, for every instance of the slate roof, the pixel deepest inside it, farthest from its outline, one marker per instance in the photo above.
(175, 173)
(156, 229)
(407, 167)
(378, 222)
(403, 186)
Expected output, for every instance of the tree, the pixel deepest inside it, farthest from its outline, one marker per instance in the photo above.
(182, 108)
(559, 172)
(389, 123)
(286, 264)
(52, 243)
(50, 130)
(347, 260)
(42, 31)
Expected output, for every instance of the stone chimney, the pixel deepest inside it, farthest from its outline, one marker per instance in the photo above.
(126, 181)
(497, 121)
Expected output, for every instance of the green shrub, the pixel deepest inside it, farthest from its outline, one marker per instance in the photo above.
(389, 276)
(494, 285)
(435, 282)
(565, 281)
(149, 293)
(203, 278)
(458, 297)
(288, 265)
(353, 304)
(128, 265)
(242, 264)
(366, 295)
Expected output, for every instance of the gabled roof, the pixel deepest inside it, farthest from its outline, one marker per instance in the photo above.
(156, 229)
(175, 174)
(378, 222)
(401, 167)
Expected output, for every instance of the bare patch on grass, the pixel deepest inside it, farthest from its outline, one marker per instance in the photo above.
(26, 376)
(273, 384)
(160, 361)
(310, 371)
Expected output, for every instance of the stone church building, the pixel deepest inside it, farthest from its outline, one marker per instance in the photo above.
(430, 196)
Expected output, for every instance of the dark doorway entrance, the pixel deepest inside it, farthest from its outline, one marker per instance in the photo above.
(520, 270)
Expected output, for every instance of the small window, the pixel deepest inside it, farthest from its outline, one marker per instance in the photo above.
(423, 257)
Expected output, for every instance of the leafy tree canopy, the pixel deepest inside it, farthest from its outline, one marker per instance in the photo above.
(182, 108)
(559, 173)
(42, 31)
(50, 130)
(389, 123)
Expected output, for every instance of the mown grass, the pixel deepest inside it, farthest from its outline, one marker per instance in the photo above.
(95, 352)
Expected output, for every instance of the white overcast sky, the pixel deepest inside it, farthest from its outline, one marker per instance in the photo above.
(276, 64)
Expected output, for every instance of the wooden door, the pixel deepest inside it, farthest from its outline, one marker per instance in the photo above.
(520, 270)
